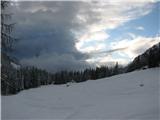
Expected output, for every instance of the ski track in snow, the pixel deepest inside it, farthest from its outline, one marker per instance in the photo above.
(118, 97)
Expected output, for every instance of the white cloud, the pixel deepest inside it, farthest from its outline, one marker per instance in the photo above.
(132, 35)
(135, 46)
(108, 60)
(139, 28)
(94, 36)
(93, 48)
(97, 18)
(105, 16)
(97, 38)
(111, 59)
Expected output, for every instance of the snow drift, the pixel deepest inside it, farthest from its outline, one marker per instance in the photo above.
(127, 96)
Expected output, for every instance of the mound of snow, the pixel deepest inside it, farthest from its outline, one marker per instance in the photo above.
(127, 96)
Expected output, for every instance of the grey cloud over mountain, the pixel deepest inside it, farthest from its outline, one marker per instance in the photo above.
(48, 31)
(46, 40)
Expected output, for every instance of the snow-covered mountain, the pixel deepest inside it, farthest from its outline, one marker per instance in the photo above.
(127, 96)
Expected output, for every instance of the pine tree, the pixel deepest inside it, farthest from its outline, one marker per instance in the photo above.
(115, 69)
(8, 78)
(6, 28)
(152, 60)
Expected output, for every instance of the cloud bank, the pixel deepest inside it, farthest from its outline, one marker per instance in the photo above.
(57, 35)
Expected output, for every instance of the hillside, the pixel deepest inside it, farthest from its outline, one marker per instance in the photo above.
(127, 96)
(150, 58)
(16, 77)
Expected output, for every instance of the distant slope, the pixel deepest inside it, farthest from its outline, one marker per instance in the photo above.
(150, 58)
(117, 97)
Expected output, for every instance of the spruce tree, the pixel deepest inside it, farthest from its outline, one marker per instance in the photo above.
(8, 78)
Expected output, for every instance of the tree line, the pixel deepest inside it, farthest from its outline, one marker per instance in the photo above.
(24, 78)
(15, 80)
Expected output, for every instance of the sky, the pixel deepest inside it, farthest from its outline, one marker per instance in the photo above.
(74, 35)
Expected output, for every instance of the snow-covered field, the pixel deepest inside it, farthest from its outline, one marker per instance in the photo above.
(119, 97)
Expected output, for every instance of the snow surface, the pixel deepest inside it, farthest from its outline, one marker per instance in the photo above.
(119, 97)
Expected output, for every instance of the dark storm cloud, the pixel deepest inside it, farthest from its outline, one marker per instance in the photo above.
(46, 40)
(50, 30)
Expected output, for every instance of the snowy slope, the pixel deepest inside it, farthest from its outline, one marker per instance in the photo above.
(119, 97)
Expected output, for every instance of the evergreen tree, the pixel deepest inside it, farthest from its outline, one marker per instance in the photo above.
(116, 69)
(152, 60)
(9, 81)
